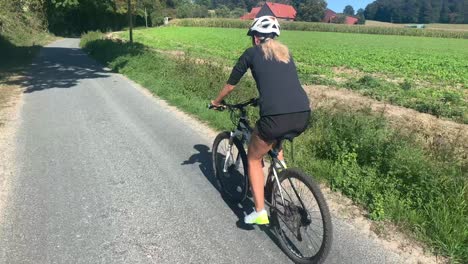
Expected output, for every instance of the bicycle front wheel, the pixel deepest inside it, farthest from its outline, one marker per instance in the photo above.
(301, 218)
(230, 167)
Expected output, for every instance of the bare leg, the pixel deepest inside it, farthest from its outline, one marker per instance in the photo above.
(257, 149)
(281, 155)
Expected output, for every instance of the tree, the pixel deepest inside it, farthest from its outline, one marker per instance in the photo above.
(436, 10)
(199, 11)
(418, 11)
(72, 17)
(371, 10)
(237, 12)
(130, 19)
(311, 10)
(425, 13)
(222, 11)
(348, 10)
(154, 9)
(191, 10)
(65, 3)
(410, 11)
(339, 19)
(206, 3)
(296, 4)
(361, 17)
(444, 12)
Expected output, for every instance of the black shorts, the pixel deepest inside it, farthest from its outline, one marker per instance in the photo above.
(271, 128)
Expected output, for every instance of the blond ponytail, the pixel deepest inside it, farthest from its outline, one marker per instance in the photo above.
(274, 49)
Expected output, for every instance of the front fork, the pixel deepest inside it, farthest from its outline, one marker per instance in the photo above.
(229, 154)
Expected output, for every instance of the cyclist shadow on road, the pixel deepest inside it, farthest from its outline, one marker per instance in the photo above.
(204, 158)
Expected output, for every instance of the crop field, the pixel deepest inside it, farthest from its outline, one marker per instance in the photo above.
(434, 26)
(371, 27)
(452, 27)
(426, 74)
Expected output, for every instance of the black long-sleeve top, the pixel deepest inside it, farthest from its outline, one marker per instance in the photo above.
(280, 91)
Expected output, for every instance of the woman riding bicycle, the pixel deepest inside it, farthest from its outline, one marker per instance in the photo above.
(284, 106)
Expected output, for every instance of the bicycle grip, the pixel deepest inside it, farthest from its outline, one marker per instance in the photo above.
(219, 108)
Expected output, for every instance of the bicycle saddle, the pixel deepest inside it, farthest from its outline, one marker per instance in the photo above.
(288, 136)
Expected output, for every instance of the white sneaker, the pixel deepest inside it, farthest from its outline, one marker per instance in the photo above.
(258, 218)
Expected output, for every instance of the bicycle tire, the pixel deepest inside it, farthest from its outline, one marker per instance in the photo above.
(234, 184)
(292, 212)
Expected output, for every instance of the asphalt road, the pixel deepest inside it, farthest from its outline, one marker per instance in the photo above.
(106, 174)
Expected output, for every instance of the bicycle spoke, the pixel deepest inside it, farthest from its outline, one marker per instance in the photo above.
(295, 249)
(230, 168)
(313, 231)
(293, 230)
(313, 241)
(293, 233)
(295, 191)
(287, 225)
(299, 204)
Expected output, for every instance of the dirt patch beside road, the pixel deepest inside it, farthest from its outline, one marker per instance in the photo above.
(10, 102)
(435, 133)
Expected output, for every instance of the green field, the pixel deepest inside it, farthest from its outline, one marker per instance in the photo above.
(389, 171)
(439, 60)
(426, 74)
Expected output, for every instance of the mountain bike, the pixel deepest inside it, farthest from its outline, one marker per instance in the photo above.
(298, 211)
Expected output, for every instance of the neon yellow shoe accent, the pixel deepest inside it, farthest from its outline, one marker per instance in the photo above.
(262, 219)
(258, 218)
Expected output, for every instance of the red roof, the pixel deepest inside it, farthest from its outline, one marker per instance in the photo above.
(282, 11)
(351, 20)
(253, 13)
(329, 15)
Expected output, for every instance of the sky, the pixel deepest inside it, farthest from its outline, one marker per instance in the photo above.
(339, 5)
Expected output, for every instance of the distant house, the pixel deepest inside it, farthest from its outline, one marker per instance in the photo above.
(280, 11)
(253, 13)
(330, 15)
(351, 20)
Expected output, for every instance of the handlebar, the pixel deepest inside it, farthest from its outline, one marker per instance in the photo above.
(224, 105)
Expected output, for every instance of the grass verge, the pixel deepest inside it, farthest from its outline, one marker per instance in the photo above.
(358, 153)
(22, 33)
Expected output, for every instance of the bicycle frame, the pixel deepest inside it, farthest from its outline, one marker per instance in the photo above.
(243, 132)
(290, 208)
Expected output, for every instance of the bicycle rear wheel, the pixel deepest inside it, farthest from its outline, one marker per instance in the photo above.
(302, 222)
(230, 167)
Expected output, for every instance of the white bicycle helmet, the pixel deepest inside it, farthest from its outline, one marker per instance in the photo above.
(265, 25)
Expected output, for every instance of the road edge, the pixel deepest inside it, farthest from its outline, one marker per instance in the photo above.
(12, 116)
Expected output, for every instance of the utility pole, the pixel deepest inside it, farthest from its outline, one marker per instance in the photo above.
(130, 20)
(146, 18)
